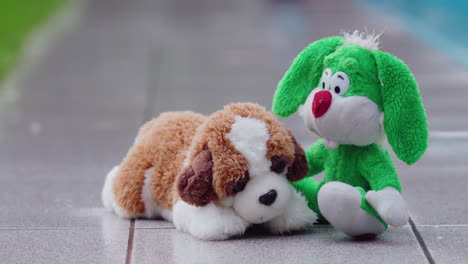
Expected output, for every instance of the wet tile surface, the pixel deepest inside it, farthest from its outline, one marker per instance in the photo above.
(153, 224)
(321, 245)
(126, 61)
(435, 187)
(67, 130)
(63, 246)
(447, 244)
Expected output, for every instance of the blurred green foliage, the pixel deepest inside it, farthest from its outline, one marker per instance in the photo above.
(18, 18)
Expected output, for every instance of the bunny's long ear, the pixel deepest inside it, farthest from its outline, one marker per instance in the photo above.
(404, 115)
(302, 76)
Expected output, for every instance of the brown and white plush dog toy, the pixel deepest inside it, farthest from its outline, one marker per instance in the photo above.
(213, 176)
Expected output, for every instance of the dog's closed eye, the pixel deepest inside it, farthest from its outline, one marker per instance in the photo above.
(278, 163)
(239, 185)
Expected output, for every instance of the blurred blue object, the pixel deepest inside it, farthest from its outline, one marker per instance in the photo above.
(440, 23)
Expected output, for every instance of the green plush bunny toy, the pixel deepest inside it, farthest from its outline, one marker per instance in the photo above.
(352, 95)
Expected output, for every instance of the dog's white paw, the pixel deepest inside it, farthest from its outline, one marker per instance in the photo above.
(209, 222)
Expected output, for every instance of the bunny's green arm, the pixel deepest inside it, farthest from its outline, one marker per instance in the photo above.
(316, 156)
(376, 166)
(309, 187)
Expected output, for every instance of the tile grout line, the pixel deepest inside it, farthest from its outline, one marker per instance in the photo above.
(443, 225)
(147, 113)
(448, 134)
(421, 242)
(131, 234)
(72, 228)
(155, 228)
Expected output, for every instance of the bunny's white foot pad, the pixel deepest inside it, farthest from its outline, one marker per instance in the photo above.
(340, 204)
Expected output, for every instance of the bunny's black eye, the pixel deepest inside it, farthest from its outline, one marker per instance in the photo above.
(340, 83)
(323, 85)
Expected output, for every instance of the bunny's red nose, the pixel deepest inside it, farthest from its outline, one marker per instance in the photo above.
(321, 103)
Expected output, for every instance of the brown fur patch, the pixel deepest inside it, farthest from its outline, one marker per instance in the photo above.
(130, 180)
(195, 181)
(162, 143)
(229, 165)
(280, 142)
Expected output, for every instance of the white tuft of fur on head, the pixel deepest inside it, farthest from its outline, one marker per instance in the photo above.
(366, 40)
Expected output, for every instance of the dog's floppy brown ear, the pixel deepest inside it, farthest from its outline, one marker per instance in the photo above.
(298, 170)
(195, 181)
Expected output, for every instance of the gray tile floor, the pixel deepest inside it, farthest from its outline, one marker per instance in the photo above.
(125, 61)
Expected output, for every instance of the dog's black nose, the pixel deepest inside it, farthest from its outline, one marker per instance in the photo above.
(268, 198)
